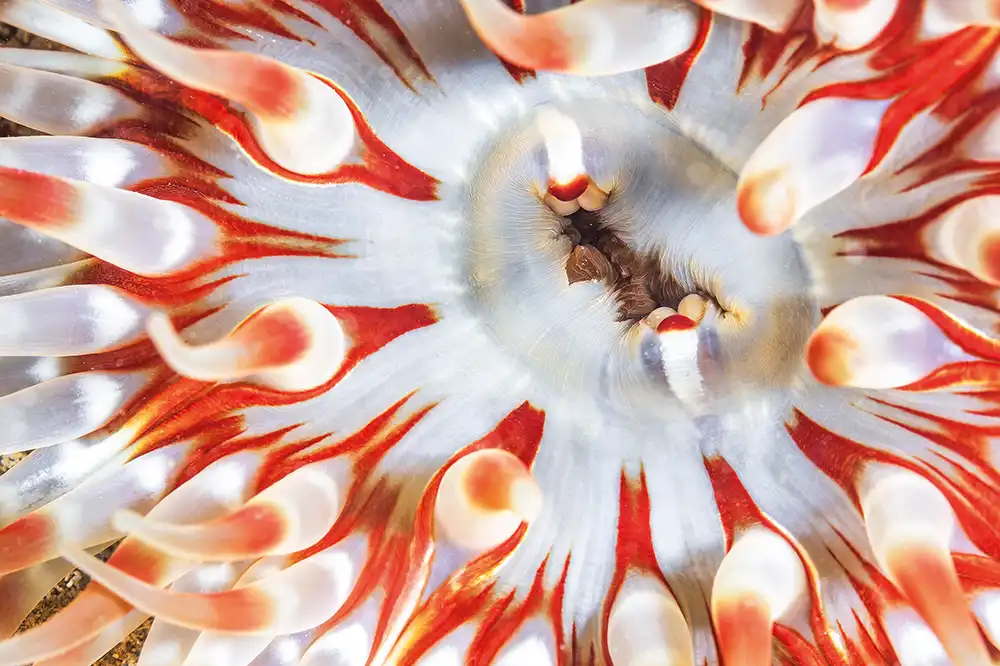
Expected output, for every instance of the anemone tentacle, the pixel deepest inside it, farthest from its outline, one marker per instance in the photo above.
(462, 331)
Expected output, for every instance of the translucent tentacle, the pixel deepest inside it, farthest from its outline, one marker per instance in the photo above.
(484, 498)
(301, 122)
(78, 65)
(47, 21)
(107, 639)
(60, 104)
(105, 222)
(909, 523)
(776, 15)
(107, 162)
(51, 472)
(212, 492)
(84, 402)
(879, 342)
(291, 515)
(298, 598)
(83, 516)
(594, 37)
(798, 166)
(291, 345)
(760, 579)
(646, 626)
(68, 321)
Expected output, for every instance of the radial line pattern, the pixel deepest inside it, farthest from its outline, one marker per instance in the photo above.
(398, 332)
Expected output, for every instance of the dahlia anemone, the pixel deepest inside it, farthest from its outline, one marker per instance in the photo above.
(403, 332)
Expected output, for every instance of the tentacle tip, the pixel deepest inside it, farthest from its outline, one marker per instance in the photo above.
(766, 203)
(827, 354)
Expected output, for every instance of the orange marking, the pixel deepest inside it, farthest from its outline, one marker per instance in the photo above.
(541, 43)
(989, 257)
(273, 337)
(239, 610)
(258, 528)
(743, 628)
(27, 541)
(827, 354)
(846, 5)
(928, 580)
(766, 204)
(488, 480)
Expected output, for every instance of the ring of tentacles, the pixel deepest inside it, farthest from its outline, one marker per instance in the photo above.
(443, 332)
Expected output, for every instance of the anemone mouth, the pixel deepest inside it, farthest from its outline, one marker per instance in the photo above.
(662, 238)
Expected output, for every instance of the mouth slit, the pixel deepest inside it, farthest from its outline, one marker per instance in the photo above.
(637, 280)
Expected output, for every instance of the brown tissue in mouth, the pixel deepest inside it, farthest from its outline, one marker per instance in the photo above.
(638, 283)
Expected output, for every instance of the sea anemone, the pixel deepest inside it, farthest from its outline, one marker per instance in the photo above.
(401, 332)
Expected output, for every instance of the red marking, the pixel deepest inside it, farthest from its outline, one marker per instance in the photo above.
(634, 552)
(971, 341)
(466, 596)
(365, 18)
(665, 80)
(841, 459)
(827, 355)
(375, 26)
(368, 329)
(571, 190)
(906, 239)
(273, 337)
(737, 510)
(794, 649)
(972, 442)
(519, 433)
(209, 451)
(764, 49)
(676, 322)
(35, 200)
(250, 532)
(27, 541)
(221, 20)
(942, 65)
(976, 572)
(141, 562)
(743, 629)
(380, 167)
(976, 502)
(876, 597)
(491, 638)
(846, 5)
